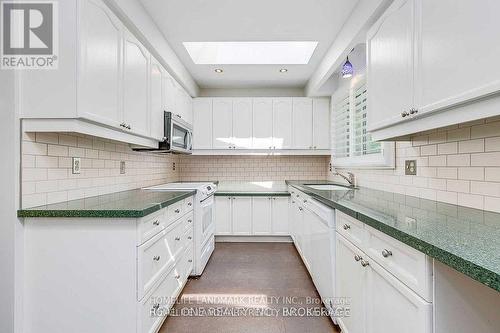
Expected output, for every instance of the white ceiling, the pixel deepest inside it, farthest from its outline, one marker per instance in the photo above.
(250, 20)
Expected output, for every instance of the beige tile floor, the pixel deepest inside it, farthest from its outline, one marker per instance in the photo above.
(249, 277)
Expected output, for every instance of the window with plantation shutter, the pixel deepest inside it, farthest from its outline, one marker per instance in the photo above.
(352, 144)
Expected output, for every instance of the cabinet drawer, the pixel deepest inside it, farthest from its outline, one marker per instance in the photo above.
(153, 309)
(351, 229)
(188, 221)
(151, 225)
(188, 204)
(174, 211)
(184, 266)
(410, 266)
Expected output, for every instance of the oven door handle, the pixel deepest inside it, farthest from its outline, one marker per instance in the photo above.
(207, 201)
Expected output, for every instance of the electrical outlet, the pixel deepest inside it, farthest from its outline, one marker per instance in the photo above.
(76, 164)
(122, 167)
(410, 167)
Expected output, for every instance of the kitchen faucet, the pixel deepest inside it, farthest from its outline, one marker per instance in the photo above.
(350, 178)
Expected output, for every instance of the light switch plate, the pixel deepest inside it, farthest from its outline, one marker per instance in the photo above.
(410, 167)
(76, 164)
(122, 167)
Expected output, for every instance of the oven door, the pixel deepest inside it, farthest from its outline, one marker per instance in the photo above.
(207, 218)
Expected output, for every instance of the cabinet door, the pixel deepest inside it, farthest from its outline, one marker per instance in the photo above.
(306, 238)
(350, 284)
(188, 112)
(157, 106)
(169, 92)
(135, 85)
(322, 258)
(280, 216)
(302, 123)
(242, 215)
(390, 48)
(385, 292)
(458, 60)
(202, 124)
(223, 225)
(242, 123)
(261, 217)
(262, 123)
(222, 123)
(321, 123)
(282, 123)
(101, 58)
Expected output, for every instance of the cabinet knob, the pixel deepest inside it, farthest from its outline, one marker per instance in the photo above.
(357, 257)
(177, 211)
(177, 238)
(305, 200)
(413, 111)
(190, 203)
(404, 114)
(156, 258)
(190, 221)
(364, 263)
(300, 208)
(314, 147)
(156, 222)
(190, 260)
(386, 253)
(128, 126)
(177, 276)
(346, 226)
(189, 237)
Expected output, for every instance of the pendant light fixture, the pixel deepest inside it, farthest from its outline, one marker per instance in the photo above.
(347, 68)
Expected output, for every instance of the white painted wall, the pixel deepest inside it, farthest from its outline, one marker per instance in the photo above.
(133, 14)
(10, 227)
(252, 92)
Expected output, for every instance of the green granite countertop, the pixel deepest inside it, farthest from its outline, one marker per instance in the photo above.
(133, 203)
(263, 188)
(465, 239)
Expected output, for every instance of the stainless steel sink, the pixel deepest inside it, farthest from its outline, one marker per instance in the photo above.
(329, 187)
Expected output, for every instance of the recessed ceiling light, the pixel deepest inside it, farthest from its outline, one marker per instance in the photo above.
(218, 70)
(251, 53)
(283, 70)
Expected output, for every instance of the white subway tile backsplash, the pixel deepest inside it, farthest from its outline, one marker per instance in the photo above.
(56, 150)
(463, 170)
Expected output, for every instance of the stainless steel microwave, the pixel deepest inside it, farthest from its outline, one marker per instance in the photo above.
(178, 136)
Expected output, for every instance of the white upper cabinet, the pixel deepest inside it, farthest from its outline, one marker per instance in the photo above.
(262, 123)
(202, 124)
(390, 65)
(299, 125)
(135, 85)
(422, 64)
(302, 123)
(459, 54)
(100, 67)
(242, 123)
(222, 113)
(157, 100)
(170, 92)
(282, 123)
(321, 123)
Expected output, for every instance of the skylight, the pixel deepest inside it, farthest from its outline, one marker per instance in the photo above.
(250, 53)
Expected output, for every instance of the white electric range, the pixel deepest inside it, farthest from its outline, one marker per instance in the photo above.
(204, 219)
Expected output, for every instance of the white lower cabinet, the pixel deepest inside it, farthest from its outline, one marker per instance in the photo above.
(379, 300)
(123, 273)
(251, 216)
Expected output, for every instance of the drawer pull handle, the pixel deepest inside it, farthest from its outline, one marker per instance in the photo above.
(156, 258)
(177, 211)
(190, 203)
(364, 263)
(190, 260)
(346, 226)
(177, 276)
(300, 208)
(305, 201)
(156, 222)
(386, 253)
(189, 237)
(177, 238)
(190, 221)
(357, 257)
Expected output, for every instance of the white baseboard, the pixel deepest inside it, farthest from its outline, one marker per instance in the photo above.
(253, 239)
